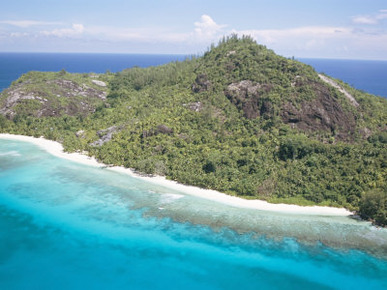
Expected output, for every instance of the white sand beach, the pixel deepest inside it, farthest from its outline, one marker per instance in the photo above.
(56, 149)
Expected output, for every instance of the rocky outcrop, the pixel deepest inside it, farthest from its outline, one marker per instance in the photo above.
(99, 83)
(105, 135)
(201, 84)
(323, 113)
(53, 97)
(331, 82)
(248, 97)
(16, 96)
(68, 88)
(195, 106)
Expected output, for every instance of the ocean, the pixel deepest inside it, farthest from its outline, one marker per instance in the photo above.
(369, 76)
(66, 225)
(366, 75)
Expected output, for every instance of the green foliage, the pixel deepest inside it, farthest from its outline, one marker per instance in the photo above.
(374, 206)
(380, 137)
(236, 59)
(4, 123)
(298, 147)
(172, 74)
(175, 120)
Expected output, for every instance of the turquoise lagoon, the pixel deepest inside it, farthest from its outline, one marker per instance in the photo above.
(66, 225)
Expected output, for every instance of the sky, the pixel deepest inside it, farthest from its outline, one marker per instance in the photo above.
(344, 29)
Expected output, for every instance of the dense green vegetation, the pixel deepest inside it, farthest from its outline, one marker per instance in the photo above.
(236, 120)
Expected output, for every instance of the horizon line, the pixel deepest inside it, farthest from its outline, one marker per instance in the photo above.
(179, 54)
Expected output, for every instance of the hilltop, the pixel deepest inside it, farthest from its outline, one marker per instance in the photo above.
(239, 119)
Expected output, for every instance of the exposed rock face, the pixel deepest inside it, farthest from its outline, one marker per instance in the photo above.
(16, 96)
(246, 95)
(69, 88)
(342, 90)
(201, 84)
(105, 135)
(51, 98)
(99, 83)
(324, 113)
(80, 134)
(195, 106)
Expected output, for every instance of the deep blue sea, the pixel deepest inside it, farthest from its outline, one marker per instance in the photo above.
(65, 225)
(366, 75)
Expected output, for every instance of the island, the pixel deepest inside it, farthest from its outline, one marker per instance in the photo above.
(239, 120)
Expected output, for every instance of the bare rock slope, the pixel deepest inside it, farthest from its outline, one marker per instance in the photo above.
(51, 96)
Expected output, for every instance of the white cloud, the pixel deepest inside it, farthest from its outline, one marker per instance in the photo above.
(370, 19)
(28, 23)
(309, 33)
(207, 28)
(75, 30)
(19, 34)
(142, 35)
(382, 15)
(28, 28)
(364, 20)
(323, 41)
(355, 41)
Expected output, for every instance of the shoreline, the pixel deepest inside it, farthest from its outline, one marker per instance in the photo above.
(56, 149)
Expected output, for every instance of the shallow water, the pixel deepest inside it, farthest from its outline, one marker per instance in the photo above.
(70, 226)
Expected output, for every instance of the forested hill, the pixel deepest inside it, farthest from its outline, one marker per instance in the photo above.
(239, 119)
